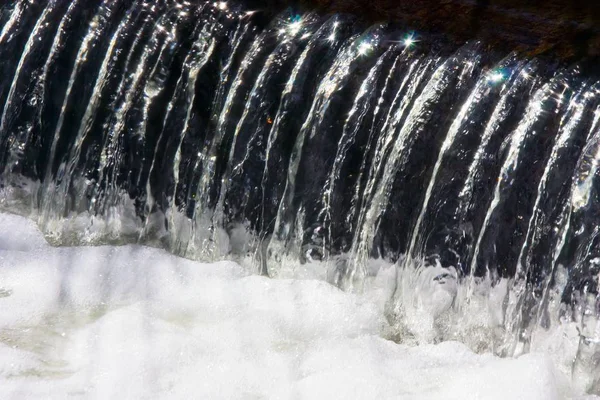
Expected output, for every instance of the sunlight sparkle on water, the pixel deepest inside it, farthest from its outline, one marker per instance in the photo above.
(295, 27)
(364, 47)
(331, 37)
(495, 77)
(221, 5)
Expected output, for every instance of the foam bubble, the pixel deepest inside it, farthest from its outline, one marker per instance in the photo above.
(137, 322)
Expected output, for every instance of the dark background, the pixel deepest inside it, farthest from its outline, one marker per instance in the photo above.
(566, 29)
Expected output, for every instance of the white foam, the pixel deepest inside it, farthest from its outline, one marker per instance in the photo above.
(136, 322)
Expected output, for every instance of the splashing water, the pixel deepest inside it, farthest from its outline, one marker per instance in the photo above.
(464, 178)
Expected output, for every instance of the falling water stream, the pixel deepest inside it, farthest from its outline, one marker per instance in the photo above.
(202, 128)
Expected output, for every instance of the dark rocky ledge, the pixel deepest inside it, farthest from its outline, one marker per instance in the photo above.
(568, 30)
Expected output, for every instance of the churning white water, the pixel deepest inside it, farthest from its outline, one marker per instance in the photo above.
(134, 322)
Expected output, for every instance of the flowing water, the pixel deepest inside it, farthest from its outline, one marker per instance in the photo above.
(216, 132)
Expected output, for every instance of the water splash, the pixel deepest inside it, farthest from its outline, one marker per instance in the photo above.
(467, 180)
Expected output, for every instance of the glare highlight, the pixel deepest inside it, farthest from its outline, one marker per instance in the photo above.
(364, 48)
(495, 77)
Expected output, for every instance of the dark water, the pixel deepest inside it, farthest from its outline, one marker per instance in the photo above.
(209, 130)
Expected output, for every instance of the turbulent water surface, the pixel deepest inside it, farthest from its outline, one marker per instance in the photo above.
(313, 141)
(131, 322)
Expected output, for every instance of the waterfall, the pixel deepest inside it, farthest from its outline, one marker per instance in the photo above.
(216, 132)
